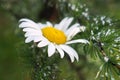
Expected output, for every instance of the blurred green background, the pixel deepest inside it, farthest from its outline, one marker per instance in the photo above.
(12, 10)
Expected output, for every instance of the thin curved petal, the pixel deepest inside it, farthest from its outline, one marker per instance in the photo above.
(59, 26)
(78, 41)
(72, 33)
(31, 29)
(37, 38)
(25, 20)
(51, 49)
(56, 26)
(67, 24)
(49, 23)
(43, 43)
(71, 28)
(41, 25)
(28, 23)
(71, 52)
(64, 24)
(60, 51)
(28, 39)
(27, 34)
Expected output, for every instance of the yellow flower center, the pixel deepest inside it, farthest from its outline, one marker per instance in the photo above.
(54, 35)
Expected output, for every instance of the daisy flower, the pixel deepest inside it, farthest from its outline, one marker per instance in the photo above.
(57, 37)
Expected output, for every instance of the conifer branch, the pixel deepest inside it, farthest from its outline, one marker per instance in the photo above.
(105, 56)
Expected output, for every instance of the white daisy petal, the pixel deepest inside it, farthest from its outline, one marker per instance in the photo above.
(56, 26)
(64, 24)
(41, 25)
(60, 51)
(73, 33)
(27, 34)
(71, 28)
(51, 49)
(28, 39)
(49, 24)
(28, 23)
(26, 20)
(71, 52)
(29, 29)
(37, 38)
(78, 41)
(60, 25)
(67, 23)
(43, 43)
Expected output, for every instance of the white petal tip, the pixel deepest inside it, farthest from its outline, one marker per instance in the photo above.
(87, 42)
(49, 55)
(39, 46)
(77, 60)
(62, 57)
(82, 28)
(27, 41)
(72, 61)
(51, 49)
(23, 19)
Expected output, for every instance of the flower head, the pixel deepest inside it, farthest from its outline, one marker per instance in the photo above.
(56, 37)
